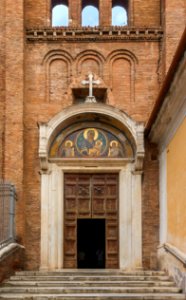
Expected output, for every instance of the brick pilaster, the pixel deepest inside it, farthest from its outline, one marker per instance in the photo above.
(105, 10)
(75, 12)
(14, 83)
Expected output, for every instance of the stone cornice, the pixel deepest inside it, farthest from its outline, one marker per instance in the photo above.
(172, 111)
(95, 34)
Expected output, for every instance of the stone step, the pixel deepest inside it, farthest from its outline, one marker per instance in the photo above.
(90, 283)
(89, 290)
(93, 297)
(84, 272)
(89, 278)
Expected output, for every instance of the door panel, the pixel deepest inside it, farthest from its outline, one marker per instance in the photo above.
(91, 196)
(70, 228)
(111, 244)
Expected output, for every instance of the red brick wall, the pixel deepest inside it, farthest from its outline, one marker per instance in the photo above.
(174, 16)
(37, 13)
(14, 83)
(11, 263)
(150, 207)
(136, 70)
(105, 8)
(146, 13)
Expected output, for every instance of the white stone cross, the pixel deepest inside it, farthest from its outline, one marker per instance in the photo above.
(90, 82)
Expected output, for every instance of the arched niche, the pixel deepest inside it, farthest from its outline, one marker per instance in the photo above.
(85, 58)
(57, 64)
(122, 62)
(53, 170)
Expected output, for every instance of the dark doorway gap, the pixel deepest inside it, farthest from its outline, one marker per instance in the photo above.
(91, 243)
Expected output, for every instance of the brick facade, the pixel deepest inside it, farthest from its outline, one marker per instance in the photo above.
(174, 16)
(40, 66)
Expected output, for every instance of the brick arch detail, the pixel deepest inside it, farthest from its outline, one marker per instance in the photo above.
(131, 59)
(50, 57)
(123, 52)
(57, 52)
(90, 55)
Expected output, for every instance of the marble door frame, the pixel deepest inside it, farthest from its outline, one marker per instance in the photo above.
(52, 216)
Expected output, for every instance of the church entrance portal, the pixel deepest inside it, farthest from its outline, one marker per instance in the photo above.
(91, 221)
(91, 243)
(67, 196)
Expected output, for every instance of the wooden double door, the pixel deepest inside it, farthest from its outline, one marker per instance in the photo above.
(91, 220)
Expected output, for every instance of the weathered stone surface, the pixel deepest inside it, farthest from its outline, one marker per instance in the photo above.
(88, 284)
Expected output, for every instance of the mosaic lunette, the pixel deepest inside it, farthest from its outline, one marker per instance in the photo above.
(91, 142)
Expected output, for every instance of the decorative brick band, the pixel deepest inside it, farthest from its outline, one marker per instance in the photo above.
(93, 34)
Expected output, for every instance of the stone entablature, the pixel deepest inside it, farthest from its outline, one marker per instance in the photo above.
(94, 34)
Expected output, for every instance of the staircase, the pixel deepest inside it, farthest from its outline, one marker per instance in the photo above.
(90, 284)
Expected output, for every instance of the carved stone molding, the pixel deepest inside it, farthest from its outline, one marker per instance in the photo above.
(43, 153)
(74, 34)
(140, 153)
